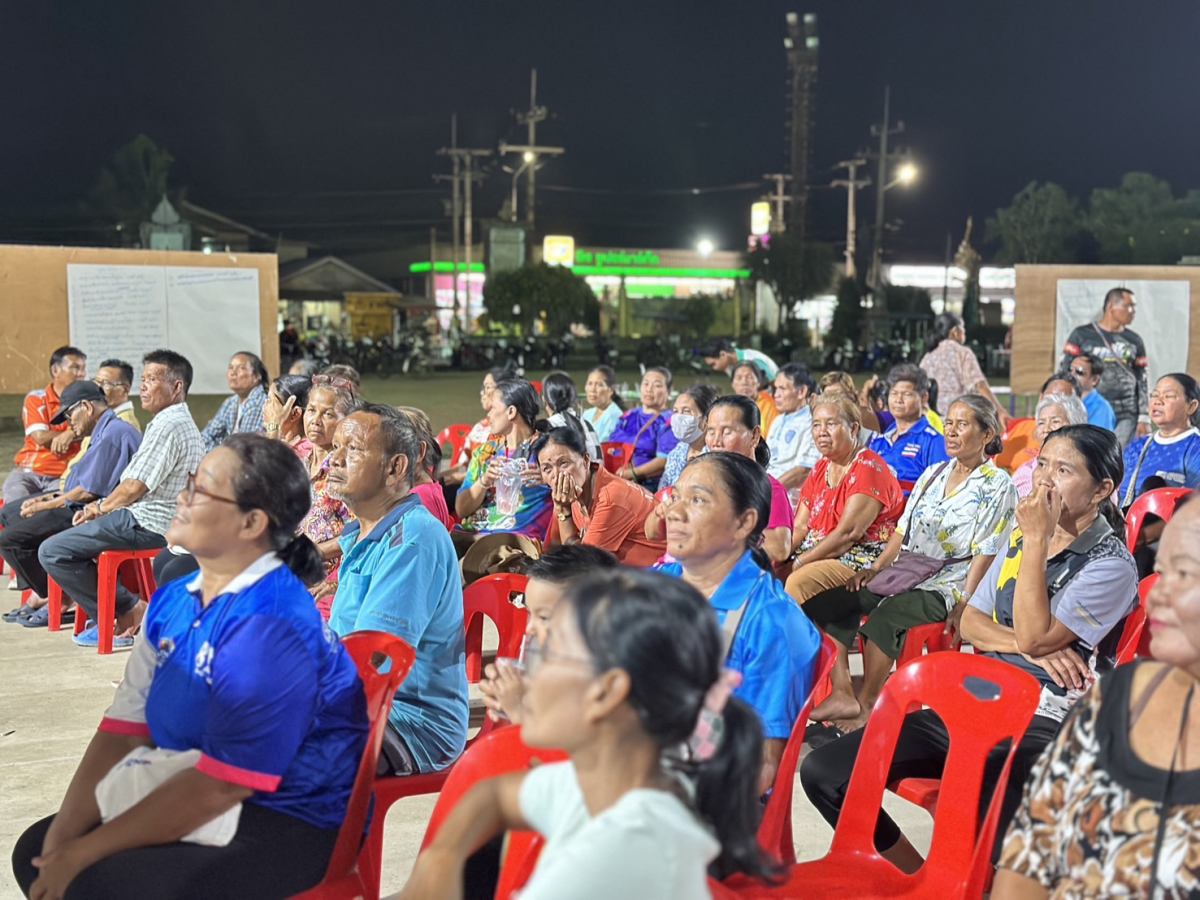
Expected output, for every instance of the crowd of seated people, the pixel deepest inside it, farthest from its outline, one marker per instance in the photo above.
(788, 509)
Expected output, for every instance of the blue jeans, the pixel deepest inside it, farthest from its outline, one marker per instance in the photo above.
(70, 557)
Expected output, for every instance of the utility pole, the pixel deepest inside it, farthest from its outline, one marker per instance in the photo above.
(851, 184)
(802, 47)
(779, 198)
(462, 178)
(531, 151)
(883, 132)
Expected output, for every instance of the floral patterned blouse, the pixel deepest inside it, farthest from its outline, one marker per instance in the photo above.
(1087, 826)
(868, 474)
(972, 520)
(956, 370)
(326, 517)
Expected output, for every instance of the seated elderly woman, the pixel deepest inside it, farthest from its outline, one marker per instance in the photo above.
(732, 426)
(910, 445)
(1112, 807)
(1053, 412)
(848, 505)
(283, 413)
(1171, 456)
(648, 428)
(591, 505)
(956, 521)
(1051, 605)
(749, 380)
(659, 791)
(715, 522)
(241, 413)
(482, 508)
(235, 705)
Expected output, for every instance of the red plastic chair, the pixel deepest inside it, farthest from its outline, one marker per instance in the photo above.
(488, 597)
(1135, 640)
(369, 650)
(110, 563)
(956, 866)
(498, 753)
(1159, 502)
(925, 638)
(775, 830)
(456, 437)
(616, 455)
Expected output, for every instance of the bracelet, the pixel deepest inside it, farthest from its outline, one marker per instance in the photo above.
(99, 511)
(633, 473)
(562, 517)
(270, 428)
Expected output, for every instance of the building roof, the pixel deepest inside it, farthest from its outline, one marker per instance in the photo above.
(326, 278)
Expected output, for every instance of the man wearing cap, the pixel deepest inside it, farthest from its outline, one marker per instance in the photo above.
(110, 444)
(136, 513)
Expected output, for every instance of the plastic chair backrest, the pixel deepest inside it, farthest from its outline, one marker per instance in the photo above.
(925, 637)
(492, 755)
(775, 830)
(982, 702)
(1017, 437)
(1135, 640)
(489, 598)
(616, 455)
(370, 650)
(1158, 502)
(456, 437)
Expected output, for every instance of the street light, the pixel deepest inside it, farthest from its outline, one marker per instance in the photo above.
(705, 247)
(905, 175)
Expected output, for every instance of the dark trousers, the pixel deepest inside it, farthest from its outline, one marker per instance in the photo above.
(169, 566)
(273, 855)
(921, 750)
(21, 538)
(70, 557)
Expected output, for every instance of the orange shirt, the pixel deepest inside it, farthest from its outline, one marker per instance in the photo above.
(40, 407)
(767, 411)
(619, 511)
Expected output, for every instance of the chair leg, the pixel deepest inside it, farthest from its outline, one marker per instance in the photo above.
(80, 619)
(106, 603)
(54, 605)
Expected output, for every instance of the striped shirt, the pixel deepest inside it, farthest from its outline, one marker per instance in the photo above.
(170, 452)
(234, 417)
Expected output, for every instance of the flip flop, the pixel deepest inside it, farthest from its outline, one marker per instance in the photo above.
(818, 734)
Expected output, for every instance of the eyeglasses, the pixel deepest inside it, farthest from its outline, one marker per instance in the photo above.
(536, 655)
(190, 491)
(104, 385)
(334, 381)
(1081, 373)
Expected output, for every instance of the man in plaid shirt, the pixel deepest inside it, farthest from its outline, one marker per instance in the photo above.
(135, 516)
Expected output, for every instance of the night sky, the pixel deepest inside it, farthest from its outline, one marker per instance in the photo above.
(320, 120)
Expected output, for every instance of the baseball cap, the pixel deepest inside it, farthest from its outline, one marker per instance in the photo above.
(75, 393)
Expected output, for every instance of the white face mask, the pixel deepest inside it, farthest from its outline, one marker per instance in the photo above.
(685, 428)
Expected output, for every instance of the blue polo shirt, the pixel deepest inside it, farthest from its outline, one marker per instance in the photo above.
(257, 683)
(1099, 411)
(113, 444)
(775, 648)
(911, 453)
(403, 578)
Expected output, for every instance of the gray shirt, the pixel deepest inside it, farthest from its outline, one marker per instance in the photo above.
(171, 451)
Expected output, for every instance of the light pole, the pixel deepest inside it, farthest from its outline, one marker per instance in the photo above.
(851, 184)
(528, 159)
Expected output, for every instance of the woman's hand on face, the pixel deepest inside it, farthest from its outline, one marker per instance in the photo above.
(285, 412)
(57, 869)
(1037, 514)
(564, 490)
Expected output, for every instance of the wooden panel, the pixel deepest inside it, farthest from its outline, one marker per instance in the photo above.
(33, 302)
(1034, 352)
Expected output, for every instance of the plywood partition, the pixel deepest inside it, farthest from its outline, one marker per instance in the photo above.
(34, 312)
(1036, 351)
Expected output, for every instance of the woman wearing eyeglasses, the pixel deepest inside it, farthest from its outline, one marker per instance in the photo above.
(661, 787)
(254, 721)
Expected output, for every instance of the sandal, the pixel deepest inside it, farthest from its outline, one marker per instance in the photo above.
(18, 614)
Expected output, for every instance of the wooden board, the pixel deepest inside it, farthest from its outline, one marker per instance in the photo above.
(1035, 354)
(33, 302)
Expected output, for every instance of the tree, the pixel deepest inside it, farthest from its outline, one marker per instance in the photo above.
(848, 314)
(1141, 222)
(130, 185)
(795, 270)
(1039, 226)
(701, 312)
(550, 293)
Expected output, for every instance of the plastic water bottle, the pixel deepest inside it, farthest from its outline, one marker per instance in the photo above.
(508, 488)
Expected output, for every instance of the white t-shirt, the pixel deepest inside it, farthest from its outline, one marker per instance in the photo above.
(791, 442)
(648, 844)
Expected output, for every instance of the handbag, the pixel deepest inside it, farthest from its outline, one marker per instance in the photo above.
(909, 568)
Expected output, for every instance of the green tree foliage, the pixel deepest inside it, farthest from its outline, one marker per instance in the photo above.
(521, 296)
(848, 314)
(794, 270)
(130, 185)
(701, 312)
(1141, 222)
(1041, 225)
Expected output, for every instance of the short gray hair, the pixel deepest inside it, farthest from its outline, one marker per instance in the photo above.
(1075, 411)
(398, 433)
(985, 414)
(911, 373)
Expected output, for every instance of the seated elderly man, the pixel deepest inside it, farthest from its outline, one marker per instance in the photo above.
(790, 437)
(115, 378)
(94, 473)
(399, 574)
(41, 461)
(136, 514)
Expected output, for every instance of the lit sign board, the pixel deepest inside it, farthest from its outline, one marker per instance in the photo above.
(760, 218)
(617, 258)
(558, 250)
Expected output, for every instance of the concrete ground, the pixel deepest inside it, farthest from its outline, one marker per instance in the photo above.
(55, 694)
